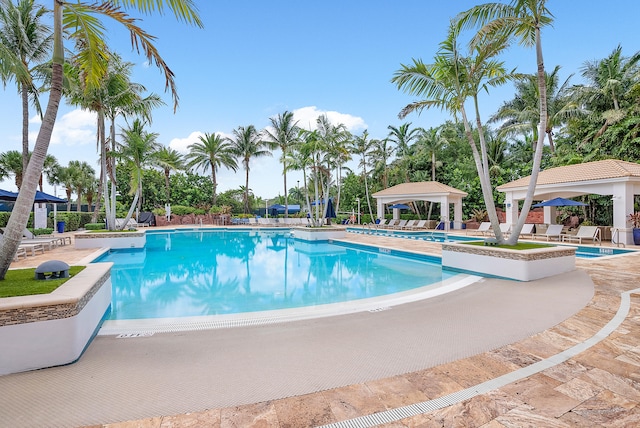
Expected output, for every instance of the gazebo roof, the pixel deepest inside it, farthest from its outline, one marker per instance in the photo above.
(419, 188)
(590, 171)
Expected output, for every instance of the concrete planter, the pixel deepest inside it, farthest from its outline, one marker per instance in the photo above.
(53, 329)
(521, 265)
(318, 233)
(88, 239)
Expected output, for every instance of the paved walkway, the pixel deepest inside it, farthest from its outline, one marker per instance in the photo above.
(596, 387)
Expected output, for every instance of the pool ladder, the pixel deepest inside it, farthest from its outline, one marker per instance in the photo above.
(615, 233)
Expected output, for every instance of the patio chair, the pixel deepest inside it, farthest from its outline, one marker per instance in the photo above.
(400, 224)
(419, 224)
(409, 224)
(390, 225)
(591, 233)
(382, 223)
(553, 232)
(527, 230)
(505, 228)
(49, 241)
(484, 228)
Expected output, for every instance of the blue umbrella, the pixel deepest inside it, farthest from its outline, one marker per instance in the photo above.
(400, 206)
(559, 202)
(40, 198)
(7, 196)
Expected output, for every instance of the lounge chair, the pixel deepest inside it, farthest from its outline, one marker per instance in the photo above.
(527, 230)
(505, 228)
(48, 240)
(390, 225)
(420, 224)
(400, 224)
(27, 248)
(553, 232)
(484, 228)
(591, 233)
(130, 224)
(409, 224)
(382, 223)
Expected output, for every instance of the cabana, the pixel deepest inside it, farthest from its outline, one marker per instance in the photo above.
(617, 178)
(429, 191)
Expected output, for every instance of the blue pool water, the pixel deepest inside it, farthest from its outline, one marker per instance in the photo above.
(195, 273)
(582, 251)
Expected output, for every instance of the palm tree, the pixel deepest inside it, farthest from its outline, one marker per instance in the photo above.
(382, 152)
(522, 115)
(404, 137)
(11, 164)
(138, 149)
(247, 143)
(91, 33)
(430, 144)
(169, 160)
(448, 83)
(283, 135)
(82, 177)
(362, 146)
(611, 83)
(49, 170)
(521, 20)
(24, 34)
(211, 152)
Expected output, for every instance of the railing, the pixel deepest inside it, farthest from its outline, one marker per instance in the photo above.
(615, 237)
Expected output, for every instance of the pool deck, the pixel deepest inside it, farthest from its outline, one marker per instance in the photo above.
(581, 381)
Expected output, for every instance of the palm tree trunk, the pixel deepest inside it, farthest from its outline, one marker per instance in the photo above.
(286, 195)
(246, 191)
(25, 126)
(215, 184)
(22, 208)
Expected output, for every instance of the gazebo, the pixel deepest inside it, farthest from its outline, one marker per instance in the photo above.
(430, 191)
(617, 178)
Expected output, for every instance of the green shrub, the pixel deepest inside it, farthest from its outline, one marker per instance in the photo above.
(94, 226)
(181, 210)
(159, 211)
(42, 231)
(4, 219)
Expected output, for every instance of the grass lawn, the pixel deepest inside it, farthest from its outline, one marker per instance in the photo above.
(21, 282)
(518, 246)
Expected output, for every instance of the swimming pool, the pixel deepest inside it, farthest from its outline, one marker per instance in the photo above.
(198, 273)
(582, 251)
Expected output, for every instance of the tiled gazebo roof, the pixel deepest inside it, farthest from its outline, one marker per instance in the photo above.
(590, 171)
(420, 188)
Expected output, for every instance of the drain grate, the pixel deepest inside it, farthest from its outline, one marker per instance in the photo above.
(133, 335)
(380, 309)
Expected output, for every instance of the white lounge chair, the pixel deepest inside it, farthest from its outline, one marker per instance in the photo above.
(382, 223)
(505, 228)
(553, 232)
(590, 233)
(419, 224)
(483, 229)
(409, 224)
(527, 230)
(400, 225)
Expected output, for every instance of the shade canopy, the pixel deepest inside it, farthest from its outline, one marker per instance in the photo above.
(560, 202)
(331, 213)
(399, 206)
(40, 198)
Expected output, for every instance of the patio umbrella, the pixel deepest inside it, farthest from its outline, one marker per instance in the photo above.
(7, 196)
(400, 206)
(559, 202)
(45, 198)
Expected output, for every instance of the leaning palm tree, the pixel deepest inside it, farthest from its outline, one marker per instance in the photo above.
(211, 152)
(247, 143)
(23, 32)
(82, 26)
(283, 134)
(521, 20)
(168, 160)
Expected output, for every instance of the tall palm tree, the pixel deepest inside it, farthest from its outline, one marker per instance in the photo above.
(23, 32)
(91, 33)
(169, 160)
(520, 20)
(430, 144)
(212, 152)
(382, 152)
(362, 147)
(247, 143)
(138, 149)
(448, 83)
(283, 134)
(404, 137)
(49, 170)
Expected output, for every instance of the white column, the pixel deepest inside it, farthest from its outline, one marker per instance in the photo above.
(550, 215)
(379, 209)
(457, 214)
(510, 208)
(622, 207)
(444, 212)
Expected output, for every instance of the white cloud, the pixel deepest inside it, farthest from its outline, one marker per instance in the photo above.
(182, 144)
(307, 116)
(76, 128)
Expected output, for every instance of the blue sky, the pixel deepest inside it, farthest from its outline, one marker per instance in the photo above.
(255, 59)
